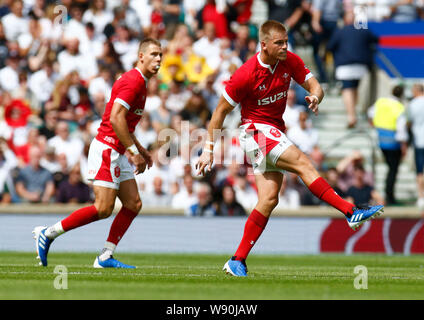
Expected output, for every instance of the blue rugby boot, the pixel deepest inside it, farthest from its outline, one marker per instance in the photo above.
(42, 244)
(235, 267)
(110, 263)
(362, 214)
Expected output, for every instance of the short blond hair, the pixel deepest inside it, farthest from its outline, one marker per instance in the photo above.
(144, 44)
(268, 26)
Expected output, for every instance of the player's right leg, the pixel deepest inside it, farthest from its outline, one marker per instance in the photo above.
(269, 185)
(295, 161)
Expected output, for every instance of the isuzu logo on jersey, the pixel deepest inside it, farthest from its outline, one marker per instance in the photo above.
(272, 99)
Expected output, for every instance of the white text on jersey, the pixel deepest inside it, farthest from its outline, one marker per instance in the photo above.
(272, 99)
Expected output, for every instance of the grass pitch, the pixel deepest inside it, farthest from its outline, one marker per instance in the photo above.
(199, 277)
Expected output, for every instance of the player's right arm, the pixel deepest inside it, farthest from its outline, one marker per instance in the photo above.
(119, 124)
(215, 126)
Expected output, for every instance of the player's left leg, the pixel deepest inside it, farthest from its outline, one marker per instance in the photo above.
(131, 206)
(296, 161)
(269, 185)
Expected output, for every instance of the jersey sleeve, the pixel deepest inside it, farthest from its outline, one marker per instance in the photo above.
(236, 88)
(126, 95)
(299, 72)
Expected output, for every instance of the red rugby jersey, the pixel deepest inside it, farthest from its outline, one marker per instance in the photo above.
(261, 89)
(130, 91)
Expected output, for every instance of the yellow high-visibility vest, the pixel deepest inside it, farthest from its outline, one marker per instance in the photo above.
(387, 111)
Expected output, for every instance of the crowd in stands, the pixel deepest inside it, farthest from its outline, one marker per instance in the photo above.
(59, 60)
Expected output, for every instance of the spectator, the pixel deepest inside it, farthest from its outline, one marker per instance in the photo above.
(72, 59)
(213, 12)
(49, 161)
(9, 75)
(325, 15)
(125, 46)
(101, 85)
(332, 176)
(52, 30)
(153, 100)
(229, 205)
(246, 195)
(8, 162)
(4, 50)
(22, 151)
(352, 49)
(38, 8)
(360, 193)
(144, 131)
(178, 96)
(98, 15)
(196, 110)
(288, 12)
(42, 82)
(109, 59)
(160, 169)
(74, 27)
(209, 94)
(156, 198)
(131, 19)
(5, 7)
(186, 196)
(65, 144)
(292, 113)
(15, 23)
(34, 183)
(60, 99)
(404, 11)
(72, 189)
(389, 119)
(416, 121)
(203, 206)
(346, 172)
(196, 69)
(16, 125)
(49, 125)
(92, 43)
(304, 137)
(30, 41)
(161, 117)
(289, 198)
(209, 46)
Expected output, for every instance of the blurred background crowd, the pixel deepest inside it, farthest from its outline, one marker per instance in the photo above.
(59, 60)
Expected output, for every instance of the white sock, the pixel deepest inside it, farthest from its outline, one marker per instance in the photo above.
(54, 231)
(108, 250)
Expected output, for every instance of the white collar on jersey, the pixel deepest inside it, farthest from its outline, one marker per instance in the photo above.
(145, 78)
(266, 65)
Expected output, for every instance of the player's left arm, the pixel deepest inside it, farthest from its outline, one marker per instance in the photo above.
(316, 94)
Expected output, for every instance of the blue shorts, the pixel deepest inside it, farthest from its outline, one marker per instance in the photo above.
(350, 84)
(419, 160)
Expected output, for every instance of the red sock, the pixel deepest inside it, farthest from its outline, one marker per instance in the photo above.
(120, 225)
(80, 218)
(321, 189)
(253, 228)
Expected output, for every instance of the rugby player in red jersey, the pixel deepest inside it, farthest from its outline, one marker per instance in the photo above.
(260, 87)
(108, 166)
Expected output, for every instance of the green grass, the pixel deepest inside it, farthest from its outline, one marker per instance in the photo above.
(192, 277)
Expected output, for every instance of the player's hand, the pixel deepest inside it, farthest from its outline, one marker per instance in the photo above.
(147, 157)
(205, 162)
(139, 163)
(312, 103)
